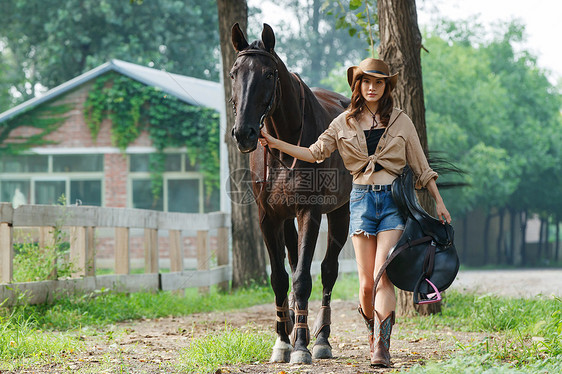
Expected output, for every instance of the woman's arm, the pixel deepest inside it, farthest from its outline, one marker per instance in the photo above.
(442, 212)
(302, 153)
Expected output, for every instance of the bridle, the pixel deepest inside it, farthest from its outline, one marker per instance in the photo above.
(253, 52)
(267, 113)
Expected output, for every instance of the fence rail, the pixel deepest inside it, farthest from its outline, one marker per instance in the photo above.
(82, 221)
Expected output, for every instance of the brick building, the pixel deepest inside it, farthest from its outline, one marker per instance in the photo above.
(95, 172)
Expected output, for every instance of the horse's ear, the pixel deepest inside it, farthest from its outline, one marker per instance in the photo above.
(268, 37)
(238, 39)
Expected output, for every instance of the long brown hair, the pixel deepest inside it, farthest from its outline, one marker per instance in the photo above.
(386, 103)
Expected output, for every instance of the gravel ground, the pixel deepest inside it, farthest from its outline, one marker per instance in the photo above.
(513, 283)
(154, 346)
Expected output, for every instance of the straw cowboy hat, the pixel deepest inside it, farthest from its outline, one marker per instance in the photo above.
(373, 67)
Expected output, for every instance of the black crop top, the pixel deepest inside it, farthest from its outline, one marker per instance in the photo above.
(372, 142)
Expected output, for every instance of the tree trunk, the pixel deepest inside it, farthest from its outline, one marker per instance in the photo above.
(547, 254)
(541, 240)
(464, 252)
(486, 236)
(557, 250)
(400, 48)
(316, 60)
(511, 247)
(499, 242)
(248, 253)
(524, 238)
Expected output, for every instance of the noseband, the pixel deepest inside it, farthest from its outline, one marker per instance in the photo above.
(253, 52)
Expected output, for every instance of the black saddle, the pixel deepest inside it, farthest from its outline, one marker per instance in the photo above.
(424, 260)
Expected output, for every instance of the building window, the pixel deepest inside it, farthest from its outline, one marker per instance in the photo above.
(77, 163)
(43, 179)
(24, 164)
(143, 197)
(182, 188)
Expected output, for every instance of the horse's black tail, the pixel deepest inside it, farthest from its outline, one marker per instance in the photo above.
(438, 162)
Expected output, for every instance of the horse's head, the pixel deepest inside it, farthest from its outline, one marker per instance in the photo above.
(254, 85)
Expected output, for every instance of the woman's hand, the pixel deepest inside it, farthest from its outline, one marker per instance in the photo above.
(302, 153)
(442, 212)
(267, 140)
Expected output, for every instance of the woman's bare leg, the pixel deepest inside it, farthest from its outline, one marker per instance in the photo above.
(365, 251)
(385, 301)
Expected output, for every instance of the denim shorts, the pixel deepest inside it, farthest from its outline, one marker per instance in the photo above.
(372, 212)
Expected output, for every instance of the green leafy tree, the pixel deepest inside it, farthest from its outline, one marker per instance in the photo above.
(494, 113)
(316, 46)
(53, 41)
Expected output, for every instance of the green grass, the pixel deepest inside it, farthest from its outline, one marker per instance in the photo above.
(227, 347)
(522, 335)
(526, 334)
(105, 307)
(21, 343)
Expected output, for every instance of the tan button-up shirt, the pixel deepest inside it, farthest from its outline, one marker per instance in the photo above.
(398, 146)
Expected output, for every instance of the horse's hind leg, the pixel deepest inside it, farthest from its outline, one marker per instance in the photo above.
(273, 237)
(338, 223)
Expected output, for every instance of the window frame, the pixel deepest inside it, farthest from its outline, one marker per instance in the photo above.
(166, 176)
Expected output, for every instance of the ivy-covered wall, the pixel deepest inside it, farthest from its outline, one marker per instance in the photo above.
(134, 107)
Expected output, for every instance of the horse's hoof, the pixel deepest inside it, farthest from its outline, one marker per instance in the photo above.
(322, 351)
(301, 357)
(281, 352)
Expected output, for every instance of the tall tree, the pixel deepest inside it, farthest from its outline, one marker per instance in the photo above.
(248, 252)
(400, 46)
(54, 41)
(315, 46)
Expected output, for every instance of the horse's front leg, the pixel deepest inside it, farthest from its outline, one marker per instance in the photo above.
(309, 225)
(338, 223)
(273, 237)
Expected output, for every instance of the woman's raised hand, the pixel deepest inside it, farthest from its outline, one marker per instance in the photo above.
(267, 140)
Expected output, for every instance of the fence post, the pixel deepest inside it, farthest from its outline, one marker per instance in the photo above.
(203, 254)
(78, 251)
(6, 252)
(47, 243)
(82, 256)
(122, 256)
(90, 251)
(150, 251)
(222, 253)
(176, 251)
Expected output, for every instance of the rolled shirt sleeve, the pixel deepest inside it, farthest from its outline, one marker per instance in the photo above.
(325, 145)
(415, 157)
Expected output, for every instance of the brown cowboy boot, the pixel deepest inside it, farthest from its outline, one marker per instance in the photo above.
(370, 326)
(381, 337)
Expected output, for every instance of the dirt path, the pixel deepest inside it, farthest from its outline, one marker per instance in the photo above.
(150, 346)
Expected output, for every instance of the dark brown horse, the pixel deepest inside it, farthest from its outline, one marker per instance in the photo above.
(265, 92)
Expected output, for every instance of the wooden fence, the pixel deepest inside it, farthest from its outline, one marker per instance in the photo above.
(82, 222)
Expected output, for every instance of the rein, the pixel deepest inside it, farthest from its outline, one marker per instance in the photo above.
(266, 114)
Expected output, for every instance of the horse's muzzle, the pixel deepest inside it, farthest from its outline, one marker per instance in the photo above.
(246, 139)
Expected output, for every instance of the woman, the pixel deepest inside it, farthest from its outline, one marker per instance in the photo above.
(375, 141)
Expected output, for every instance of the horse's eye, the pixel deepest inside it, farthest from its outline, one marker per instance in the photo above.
(231, 75)
(269, 75)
